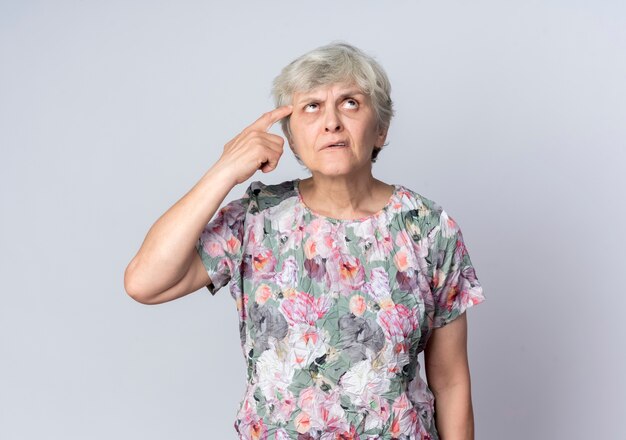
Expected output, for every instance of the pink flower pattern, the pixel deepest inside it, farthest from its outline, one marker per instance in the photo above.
(333, 313)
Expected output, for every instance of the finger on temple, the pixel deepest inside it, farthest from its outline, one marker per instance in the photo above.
(277, 114)
(268, 119)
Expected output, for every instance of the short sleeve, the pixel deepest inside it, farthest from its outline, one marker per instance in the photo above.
(221, 242)
(455, 286)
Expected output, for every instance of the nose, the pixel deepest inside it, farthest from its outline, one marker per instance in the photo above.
(332, 122)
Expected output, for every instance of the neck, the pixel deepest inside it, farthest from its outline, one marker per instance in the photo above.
(345, 196)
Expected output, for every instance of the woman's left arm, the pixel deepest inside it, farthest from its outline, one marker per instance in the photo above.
(447, 372)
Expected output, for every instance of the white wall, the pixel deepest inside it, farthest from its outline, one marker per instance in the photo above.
(510, 114)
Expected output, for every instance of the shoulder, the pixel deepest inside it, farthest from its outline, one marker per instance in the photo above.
(412, 199)
(425, 218)
(264, 196)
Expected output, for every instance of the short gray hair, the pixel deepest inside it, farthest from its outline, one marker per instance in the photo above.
(330, 64)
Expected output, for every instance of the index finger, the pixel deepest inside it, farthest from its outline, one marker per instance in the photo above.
(268, 119)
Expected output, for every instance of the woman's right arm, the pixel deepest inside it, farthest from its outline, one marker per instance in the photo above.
(167, 265)
(160, 270)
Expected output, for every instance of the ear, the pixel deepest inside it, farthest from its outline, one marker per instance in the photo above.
(381, 136)
(287, 131)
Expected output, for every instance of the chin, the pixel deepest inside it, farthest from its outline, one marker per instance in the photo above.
(336, 169)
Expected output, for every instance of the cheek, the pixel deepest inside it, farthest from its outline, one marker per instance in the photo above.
(295, 124)
(301, 120)
(301, 128)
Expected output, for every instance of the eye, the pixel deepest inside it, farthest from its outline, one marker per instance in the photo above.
(310, 107)
(351, 103)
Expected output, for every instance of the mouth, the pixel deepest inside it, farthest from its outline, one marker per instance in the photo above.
(335, 144)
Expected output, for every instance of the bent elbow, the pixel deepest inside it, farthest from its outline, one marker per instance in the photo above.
(140, 299)
(134, 291)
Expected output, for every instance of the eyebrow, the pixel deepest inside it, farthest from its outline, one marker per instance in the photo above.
(345, 94)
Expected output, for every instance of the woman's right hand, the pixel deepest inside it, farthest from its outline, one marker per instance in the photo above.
(254, 148)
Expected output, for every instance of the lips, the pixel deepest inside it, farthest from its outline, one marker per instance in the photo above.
(336, 144)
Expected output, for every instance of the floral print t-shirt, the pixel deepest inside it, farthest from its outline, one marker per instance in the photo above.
(333, 312)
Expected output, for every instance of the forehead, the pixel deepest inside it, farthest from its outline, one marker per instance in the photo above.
(337, 89)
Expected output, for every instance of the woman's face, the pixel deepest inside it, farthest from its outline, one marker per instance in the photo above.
(338, 113)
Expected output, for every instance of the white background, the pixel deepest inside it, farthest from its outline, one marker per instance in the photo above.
(510, 114)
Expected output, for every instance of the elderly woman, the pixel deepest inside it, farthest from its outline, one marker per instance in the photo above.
(340, 280)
